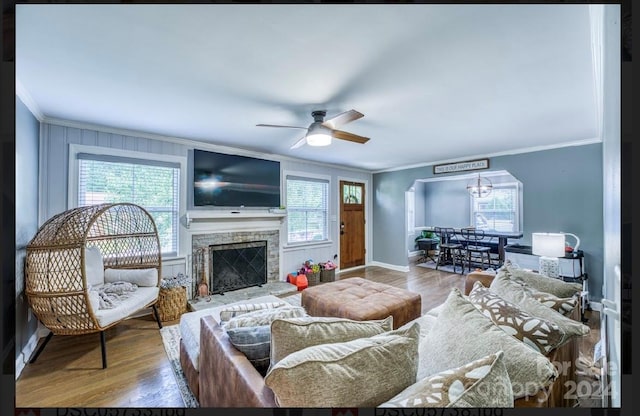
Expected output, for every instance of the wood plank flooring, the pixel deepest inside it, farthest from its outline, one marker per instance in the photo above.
(69, 371)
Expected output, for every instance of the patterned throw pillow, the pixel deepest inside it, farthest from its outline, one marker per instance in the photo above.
(254, 342)
(235, 310)
(359, 373)
(264, 316)
(537, 333)
(461, 334)
(505, 287)
(481, 383)
(291, 335)
(563, 305)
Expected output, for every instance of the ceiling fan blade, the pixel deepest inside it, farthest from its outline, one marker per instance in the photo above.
(278, 125)
(342, 118)
(339, 134)
(299, 143)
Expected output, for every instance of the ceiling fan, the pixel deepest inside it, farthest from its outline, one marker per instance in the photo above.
(321, 131)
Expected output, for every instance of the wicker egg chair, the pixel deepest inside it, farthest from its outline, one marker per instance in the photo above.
(56, 281)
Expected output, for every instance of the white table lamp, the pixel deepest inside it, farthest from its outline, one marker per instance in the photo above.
(549, 246)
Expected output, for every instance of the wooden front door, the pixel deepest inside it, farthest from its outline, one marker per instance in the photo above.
(352, 235)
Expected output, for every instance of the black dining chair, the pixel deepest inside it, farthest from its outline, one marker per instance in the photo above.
(474, 250)
(449, 250)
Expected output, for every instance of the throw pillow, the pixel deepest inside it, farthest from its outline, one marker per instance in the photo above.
(537, 333)
(254, 342)
(542, 283)
(264, 316)
(235, 310)
(140, 277)
(481, 383)
(514, 292)
(93, 266)
(563, 305)
(359, 373)
(291, 335)
(444, 347)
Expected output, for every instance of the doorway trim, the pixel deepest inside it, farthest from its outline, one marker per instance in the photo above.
(367, 216)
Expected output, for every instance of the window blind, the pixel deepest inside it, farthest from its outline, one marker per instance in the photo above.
(307, 209)
(154, 185)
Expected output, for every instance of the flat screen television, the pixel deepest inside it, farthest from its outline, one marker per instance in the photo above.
(223, 180)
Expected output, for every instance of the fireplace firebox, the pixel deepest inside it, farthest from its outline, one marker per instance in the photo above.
(237, 265)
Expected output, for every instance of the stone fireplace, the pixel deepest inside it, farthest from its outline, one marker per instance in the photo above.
(236, 259)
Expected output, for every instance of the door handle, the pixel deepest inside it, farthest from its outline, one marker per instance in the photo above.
(341, 227)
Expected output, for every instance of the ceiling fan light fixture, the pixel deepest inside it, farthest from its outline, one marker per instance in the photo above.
(319, 139)
(319, 135)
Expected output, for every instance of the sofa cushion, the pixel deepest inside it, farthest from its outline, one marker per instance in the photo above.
(360, 373)
(542, 283)
(142, 297)
(514, 292)
(293, 334)
(462, 334)
(140, 277)
(254, 342)
(93, 266)
(481, 383)
(264, 316)
(234, 310)
(537, 333)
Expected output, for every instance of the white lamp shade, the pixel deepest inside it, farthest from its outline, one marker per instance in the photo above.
(548, 244)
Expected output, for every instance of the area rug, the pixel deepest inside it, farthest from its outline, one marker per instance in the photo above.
(171, 340)
(442, 268)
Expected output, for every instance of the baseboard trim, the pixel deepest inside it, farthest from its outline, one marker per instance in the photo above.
(416, 253)
(25, 354)
(350, 269)
(596, 306)
(390, 266)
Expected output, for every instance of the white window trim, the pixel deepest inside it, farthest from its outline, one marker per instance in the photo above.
(302, 174)
(72, 189)
(518, 204)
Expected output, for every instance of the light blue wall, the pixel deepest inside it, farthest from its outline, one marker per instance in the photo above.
(562, 192)
(447, 204)
(26, 200)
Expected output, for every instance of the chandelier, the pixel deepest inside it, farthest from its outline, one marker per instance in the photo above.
(479, 187)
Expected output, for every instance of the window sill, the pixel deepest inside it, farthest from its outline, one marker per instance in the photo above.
(302, 246)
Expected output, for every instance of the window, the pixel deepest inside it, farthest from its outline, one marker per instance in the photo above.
(152, 184)
(500, 211)
(307, 209)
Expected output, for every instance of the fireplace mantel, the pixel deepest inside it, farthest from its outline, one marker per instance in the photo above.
(230, 217)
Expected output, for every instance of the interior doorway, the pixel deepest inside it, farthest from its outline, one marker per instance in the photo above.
(352, 224)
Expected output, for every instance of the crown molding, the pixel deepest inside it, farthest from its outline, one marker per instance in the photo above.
(27, 99)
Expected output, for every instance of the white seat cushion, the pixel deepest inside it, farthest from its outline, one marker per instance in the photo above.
(138, 300)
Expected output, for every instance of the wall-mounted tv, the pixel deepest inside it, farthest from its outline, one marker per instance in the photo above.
(223, 180)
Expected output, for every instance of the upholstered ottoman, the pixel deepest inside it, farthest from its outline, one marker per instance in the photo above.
(361, 299)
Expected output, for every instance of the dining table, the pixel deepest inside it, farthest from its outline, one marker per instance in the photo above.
(501, 236)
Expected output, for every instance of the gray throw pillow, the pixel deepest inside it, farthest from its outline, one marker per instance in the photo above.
(542, 283)
(293, 334)
(462, 334)
(360, 373)
(254, 342)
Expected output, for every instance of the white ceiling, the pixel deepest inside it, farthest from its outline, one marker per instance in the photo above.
(435, 82)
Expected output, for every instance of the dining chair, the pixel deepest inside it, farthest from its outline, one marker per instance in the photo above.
(449, 250)
(474, 250)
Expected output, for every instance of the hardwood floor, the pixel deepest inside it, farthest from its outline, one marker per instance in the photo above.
(69, 371)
